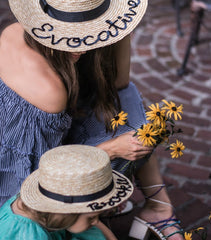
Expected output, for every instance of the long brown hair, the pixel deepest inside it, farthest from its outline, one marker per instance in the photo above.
(91, 80)
(97, 73)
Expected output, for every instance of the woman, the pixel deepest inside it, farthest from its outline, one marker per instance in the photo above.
(40, 83)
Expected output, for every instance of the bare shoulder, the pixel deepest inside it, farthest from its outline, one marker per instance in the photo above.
(28, 74)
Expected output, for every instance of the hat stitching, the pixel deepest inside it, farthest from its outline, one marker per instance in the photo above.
(37, 32)
(74, 16)
(121, 193)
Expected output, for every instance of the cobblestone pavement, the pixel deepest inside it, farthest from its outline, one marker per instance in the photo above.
(157, 52)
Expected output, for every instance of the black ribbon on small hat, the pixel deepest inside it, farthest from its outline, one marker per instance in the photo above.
(74, 16)
(76, 199)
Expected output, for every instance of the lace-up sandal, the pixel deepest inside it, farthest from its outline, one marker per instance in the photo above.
(140, 229)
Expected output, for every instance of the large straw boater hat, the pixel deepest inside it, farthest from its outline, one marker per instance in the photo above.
(75, 179)
(78, 25)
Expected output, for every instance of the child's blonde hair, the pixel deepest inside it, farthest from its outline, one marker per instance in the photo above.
(49, 220)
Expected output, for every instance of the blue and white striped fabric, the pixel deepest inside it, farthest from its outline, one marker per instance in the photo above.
(26, 133)
(92, 132)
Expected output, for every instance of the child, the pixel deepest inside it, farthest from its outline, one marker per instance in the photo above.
(73, 184)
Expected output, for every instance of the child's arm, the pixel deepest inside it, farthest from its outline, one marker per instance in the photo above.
(106, 231)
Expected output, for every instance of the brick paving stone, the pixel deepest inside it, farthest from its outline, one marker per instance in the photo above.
(201, 78)
(198, 188)
(198, 87)
(156, 65)
(157, 83)
(193, 212)
(188, 171)
(188, 108)
(195, 121)
(180, 93)
(204, 134)
(179, 197)
(137, 68)
(207, 101)
(195, 145)
(188, 131)
(154, 96)
(205, 161)
(144, 52)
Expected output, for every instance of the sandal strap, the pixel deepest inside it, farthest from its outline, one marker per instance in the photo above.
(163, 224)
(161, 186)
(164, 203)
(169, 222)
(166, 225)
(171, 234)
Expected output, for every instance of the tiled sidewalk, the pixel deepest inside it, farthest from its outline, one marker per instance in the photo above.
(157, 53)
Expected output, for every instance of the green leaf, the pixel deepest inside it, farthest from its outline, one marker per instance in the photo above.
(168, 148)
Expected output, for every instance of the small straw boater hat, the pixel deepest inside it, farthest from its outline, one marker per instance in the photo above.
(75, 179)
(78, 25)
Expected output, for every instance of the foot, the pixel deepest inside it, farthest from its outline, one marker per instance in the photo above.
(155, 212)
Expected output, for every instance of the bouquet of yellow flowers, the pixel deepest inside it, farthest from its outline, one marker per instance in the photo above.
(159, 129)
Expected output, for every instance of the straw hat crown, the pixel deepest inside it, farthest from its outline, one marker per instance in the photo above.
(65, 171)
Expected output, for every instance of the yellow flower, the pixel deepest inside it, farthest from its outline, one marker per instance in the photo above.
(177, 149)
(172, 109)
(119, 119)
(188, 236)
(210, 216)
(156, 114)
(146, 135)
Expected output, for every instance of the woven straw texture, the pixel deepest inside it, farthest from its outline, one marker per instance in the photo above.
(79, 36)
(74, 170)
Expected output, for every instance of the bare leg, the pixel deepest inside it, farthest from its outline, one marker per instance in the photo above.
(153, 211)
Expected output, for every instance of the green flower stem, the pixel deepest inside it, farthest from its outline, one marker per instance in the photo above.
(128, 163)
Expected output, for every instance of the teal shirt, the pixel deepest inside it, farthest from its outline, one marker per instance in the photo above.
(17, 227)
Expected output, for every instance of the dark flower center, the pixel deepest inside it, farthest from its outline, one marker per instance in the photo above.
(174, 109)
(158, 114)
(178, 149)
(116, 118)
(147, 135)
(163, 133)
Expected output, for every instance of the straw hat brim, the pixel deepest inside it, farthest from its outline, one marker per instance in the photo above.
(79, 36)
(34, 199)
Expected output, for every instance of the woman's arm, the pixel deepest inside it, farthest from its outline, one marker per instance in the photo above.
(122, 51)
(106, 231)
(125, 146)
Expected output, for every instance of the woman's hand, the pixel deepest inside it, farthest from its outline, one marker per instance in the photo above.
(126, 146)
